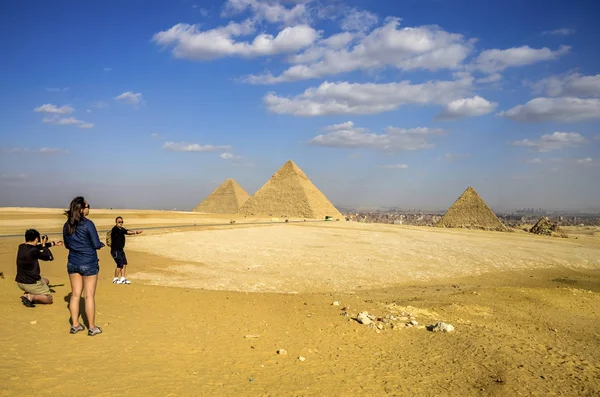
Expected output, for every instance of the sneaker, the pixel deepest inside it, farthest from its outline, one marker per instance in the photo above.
(94, 331)
(75, 330)
(123, 280)
(116, 281)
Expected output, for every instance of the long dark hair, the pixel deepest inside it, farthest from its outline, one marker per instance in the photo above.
(74, 214)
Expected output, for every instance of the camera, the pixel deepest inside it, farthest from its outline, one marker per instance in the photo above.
(43, 236)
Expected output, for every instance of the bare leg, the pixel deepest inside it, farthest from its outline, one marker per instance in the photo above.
(89, 293)
(117, 272)
(46, 281)
(124, 271)
(76, 288)
(44, 299)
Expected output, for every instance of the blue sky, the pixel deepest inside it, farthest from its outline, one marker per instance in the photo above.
(152, 104)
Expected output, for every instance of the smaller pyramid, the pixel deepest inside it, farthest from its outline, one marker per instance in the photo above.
(226, 199)
(470, 211)
(547, 228)
(289, 193)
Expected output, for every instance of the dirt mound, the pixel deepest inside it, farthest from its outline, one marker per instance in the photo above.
(289, 193)
(547, 228)
(226, 199)
(470, 211)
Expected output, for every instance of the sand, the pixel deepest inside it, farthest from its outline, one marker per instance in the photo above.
(526, 311)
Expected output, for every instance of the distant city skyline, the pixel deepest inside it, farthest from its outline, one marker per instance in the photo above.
(382, 104)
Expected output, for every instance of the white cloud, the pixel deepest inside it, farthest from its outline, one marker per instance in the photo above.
(44, 150)
(358, 20)
(13, 178)
(131, 98)
(64, 89)
(270, 11)
(88, 110)
(192, 147)
(99, 105)
(492, 78)
(229, 156)
(346, 98)
(409, 48)
(108, 69)
(392, 140)
(587, 160)
(570, 85)
(491, 61)
(50, 108)
(535, 160)
(453, 157)
(555, 109)
(554, 141)
(66, 121)
(559, 32)
(394, 166)
(190, 42)
(466, 107)
(156, 135)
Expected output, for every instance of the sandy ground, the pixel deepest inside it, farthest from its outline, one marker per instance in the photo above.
(526, 311)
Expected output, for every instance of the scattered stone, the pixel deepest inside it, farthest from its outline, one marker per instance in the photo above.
(380, 326)
(440, 327)
(414, 322)
(33, 322)
(336, 303)
(301, 358)
(251, 336)
(364, 318)
(283, 352)
(547, 228)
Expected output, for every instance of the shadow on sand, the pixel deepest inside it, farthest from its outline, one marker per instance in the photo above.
(82, 314)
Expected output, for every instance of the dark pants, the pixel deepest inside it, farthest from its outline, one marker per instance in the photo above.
(119, 257)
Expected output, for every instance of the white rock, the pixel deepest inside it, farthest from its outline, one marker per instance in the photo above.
(414, 322)
(336, 303)
(363, 318)
(283, 352)
(442, 327)
(301, 358)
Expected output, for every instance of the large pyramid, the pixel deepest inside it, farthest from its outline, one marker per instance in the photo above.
(226, 199)
(470, 211)
(289, 193)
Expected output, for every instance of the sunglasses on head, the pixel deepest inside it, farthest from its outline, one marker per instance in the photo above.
(87, 206)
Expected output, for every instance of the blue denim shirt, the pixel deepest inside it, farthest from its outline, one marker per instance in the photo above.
(83, 243)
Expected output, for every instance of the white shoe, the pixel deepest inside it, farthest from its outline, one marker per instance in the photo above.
(116, 281)
(123, 280)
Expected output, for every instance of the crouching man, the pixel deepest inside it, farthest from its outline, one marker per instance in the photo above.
(34, 286)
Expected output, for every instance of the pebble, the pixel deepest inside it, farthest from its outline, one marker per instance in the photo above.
(363, 318)
(283, 352)
(33, 322)
(301, 358)
(336, 303)
(252, 336)
(441, 327)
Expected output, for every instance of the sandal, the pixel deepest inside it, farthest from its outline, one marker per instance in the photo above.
(94, 331)
(75, 330)
(27, 302)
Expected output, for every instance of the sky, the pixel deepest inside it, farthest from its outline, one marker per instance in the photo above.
(406, 103)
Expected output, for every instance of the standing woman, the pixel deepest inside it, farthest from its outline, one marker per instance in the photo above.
(81, 239)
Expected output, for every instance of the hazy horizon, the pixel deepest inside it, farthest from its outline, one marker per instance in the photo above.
(381, 104)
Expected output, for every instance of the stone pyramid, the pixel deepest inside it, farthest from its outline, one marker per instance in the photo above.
(289, 193)
(470, 211)
(226, 199)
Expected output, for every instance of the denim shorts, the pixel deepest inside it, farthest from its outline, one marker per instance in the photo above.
(83, 270)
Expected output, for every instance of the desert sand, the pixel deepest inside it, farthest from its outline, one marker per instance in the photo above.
(211, 304)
